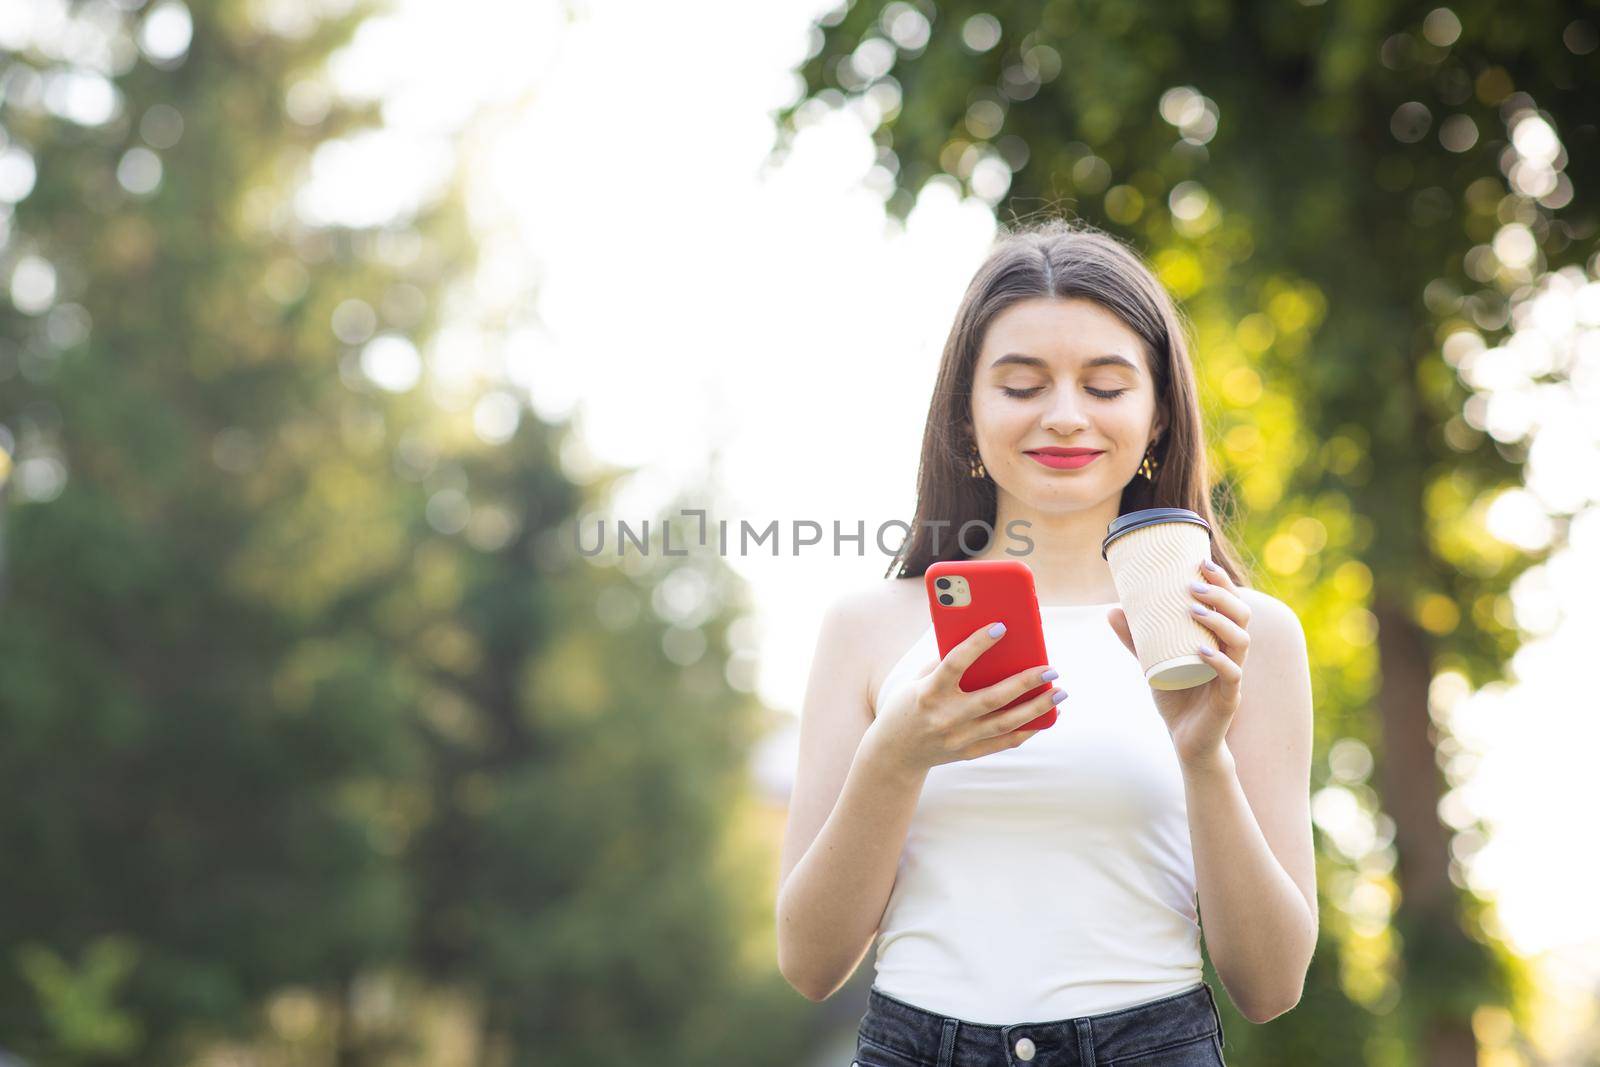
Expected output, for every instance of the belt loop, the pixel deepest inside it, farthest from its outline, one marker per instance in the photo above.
(947, 1043)
(1085, 1042)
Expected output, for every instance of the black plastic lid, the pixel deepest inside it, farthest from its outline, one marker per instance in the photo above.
(1134, 520)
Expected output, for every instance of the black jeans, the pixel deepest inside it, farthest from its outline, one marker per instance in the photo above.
(1183, 1030)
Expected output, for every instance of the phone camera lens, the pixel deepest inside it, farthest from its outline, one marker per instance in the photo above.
(943, 583)
(946, 599)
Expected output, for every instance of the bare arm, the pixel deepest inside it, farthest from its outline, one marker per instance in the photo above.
(831, 904)
(839, 858)
(1250, 826)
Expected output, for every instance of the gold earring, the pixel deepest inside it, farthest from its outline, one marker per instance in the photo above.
(1150, 464)
(975, 467)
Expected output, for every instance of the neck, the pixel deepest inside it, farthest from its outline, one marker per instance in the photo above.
(1065, 557)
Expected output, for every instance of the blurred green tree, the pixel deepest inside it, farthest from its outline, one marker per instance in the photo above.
(315, 737)
(1325, 188)
(589, 863)
(183, 755)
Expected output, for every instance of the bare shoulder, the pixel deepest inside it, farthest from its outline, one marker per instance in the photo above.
(1270, 617)
(1276, 677)
(881, 620)
(871, 601)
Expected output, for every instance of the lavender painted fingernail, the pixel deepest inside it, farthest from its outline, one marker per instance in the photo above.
(1212, 567)
(997, 629)
(1058, 696)
(1050, 675)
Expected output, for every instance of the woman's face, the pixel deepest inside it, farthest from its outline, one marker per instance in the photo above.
(1062, 375)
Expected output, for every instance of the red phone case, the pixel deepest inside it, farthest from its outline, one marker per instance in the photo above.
(1002, 591)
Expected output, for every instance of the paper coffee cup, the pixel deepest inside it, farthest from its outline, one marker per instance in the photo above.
(1154, 555)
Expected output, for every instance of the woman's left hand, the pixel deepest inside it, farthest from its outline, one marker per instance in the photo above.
(1198, 717)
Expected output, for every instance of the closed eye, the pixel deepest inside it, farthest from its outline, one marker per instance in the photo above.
(1023, 394)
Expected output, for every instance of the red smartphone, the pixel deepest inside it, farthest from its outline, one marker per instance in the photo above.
(966, 594)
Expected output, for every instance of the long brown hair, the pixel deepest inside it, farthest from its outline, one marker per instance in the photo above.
(1063, 259)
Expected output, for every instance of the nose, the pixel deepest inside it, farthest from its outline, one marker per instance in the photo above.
(1065, 415)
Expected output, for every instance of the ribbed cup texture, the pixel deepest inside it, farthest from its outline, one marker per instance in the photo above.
(1152, 568)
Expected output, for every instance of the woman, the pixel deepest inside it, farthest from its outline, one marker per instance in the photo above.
(1036, 895)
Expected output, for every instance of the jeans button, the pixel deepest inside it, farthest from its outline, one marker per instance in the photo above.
(1025, 1048)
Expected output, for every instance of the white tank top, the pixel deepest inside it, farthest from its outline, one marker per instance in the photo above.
(1054, 880)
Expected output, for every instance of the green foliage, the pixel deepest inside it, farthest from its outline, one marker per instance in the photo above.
(302, 698)
(77, 1005)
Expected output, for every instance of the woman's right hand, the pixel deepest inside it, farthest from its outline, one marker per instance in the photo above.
(933, 720)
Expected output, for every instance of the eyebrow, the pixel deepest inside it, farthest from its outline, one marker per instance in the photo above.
(1035, 361)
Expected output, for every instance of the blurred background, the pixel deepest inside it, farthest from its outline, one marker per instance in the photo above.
(324, 327)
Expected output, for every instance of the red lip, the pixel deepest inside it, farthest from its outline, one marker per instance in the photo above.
(1064, 459)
